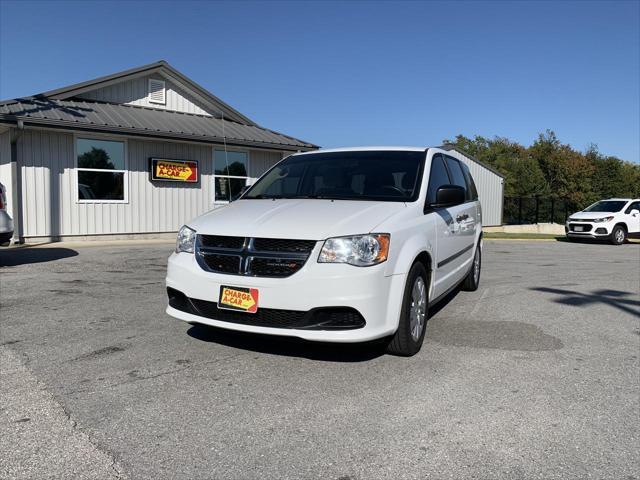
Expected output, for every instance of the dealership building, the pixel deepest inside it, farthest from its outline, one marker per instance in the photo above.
(140, 152)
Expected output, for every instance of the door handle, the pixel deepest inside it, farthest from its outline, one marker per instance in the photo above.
(460, 218)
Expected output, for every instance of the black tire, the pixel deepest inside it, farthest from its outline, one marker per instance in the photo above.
(403, 342)
(472, 281)
(618, 235)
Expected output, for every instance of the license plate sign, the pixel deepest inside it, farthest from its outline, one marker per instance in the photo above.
(240, 299)
(579, 228)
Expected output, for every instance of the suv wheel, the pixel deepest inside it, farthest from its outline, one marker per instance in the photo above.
(470, 284)
(618, 235)
(413, 316)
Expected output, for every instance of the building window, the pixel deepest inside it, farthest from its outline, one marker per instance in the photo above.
(101, 170)
(230, 174)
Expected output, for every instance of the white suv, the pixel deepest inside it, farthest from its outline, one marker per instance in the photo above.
(346, 245)
(614, 219)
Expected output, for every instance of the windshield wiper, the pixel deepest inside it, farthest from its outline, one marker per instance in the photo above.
(283, 197)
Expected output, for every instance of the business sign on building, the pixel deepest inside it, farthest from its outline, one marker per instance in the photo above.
(165, 170)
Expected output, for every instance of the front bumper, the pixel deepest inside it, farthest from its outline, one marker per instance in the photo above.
(373, 295)
(588, 229)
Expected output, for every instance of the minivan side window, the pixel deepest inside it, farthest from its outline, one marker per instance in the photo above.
(472, 192)
(437, 178)
(457, 177)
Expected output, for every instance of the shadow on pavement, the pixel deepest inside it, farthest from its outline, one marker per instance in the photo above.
(289, 346)
(295, 347)
(21, 256)
(615, 298)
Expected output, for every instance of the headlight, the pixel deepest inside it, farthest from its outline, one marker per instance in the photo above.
(186, 240)
(602, 220)
(359, 250)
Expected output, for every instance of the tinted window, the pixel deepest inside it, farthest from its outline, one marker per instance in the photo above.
(100, 185)
(231, 163)
(437, 178)
(633, 206)
(230, 174)
(101, 174)
(101, 154)
(605, 206)
(472, 192)
(457, 177)
(360, 175)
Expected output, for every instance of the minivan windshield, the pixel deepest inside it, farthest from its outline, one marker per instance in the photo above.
(391, 176)
(606, 206)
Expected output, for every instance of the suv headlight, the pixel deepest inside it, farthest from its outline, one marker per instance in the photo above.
(602, 220)
(186, 240)
(358, 250)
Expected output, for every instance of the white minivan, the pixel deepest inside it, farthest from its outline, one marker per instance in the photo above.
(345, 245)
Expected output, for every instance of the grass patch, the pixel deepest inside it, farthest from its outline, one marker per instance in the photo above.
(544, 236)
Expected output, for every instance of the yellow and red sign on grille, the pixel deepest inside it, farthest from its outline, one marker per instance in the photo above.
(174, 170)
(238, 298)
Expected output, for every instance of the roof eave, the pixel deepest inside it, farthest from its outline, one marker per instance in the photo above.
(72, 126)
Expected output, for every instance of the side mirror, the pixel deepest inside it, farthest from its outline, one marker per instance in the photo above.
(449, 196)
(635, 212)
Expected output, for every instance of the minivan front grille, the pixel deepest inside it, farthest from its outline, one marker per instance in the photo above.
(219, 241)
(256, 257)
(282, 245)
(223, 263)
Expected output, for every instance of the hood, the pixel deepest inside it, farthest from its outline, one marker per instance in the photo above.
(590, 215)
(303, 219)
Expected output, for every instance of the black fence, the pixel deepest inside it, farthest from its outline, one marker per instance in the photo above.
(524, 210)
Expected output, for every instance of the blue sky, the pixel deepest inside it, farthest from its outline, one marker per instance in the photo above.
(360, 73)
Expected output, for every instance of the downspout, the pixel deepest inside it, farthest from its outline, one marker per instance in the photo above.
(16, 183)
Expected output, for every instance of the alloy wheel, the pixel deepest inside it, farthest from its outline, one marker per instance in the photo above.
(418, 309)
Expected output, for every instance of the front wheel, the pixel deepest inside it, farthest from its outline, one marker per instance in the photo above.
(408, 339)
(618, 235)
(471, 283)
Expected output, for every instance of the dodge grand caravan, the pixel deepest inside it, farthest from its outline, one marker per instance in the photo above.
(346, 245)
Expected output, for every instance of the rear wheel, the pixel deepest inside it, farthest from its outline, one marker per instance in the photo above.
(472, 281)
(413, 316)
(618, 235)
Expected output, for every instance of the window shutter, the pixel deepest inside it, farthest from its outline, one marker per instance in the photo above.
(156, 91)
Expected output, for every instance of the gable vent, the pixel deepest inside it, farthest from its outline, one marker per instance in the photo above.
(156, 91)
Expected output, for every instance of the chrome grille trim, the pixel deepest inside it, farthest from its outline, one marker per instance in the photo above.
(248, 252)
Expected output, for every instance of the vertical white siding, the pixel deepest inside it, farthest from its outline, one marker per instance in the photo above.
(5, 168)
(49, 197)
(136, 91)
(490, 191)
(261, 161)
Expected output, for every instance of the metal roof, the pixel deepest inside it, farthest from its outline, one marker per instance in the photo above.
(164, 69)
(134, 120)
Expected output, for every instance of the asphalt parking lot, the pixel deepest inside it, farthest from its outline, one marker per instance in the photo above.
(535, 375)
